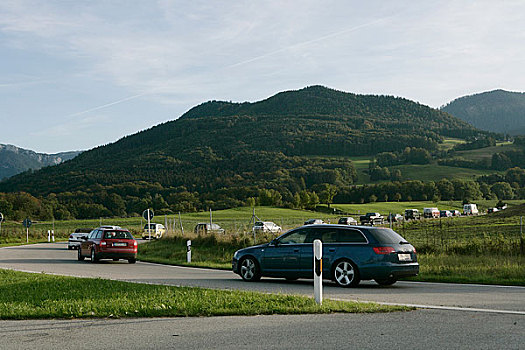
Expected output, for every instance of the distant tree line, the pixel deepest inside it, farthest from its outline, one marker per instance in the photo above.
(130, 199)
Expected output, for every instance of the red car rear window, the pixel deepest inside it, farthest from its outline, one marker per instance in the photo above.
(117, 235)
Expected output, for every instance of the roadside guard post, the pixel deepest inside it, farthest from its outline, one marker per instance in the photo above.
(27, 224)
(48, 236)
(188, 251)
(318, 271)
(53, 235)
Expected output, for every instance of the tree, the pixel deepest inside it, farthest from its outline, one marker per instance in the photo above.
(327, 194)
(502, 190)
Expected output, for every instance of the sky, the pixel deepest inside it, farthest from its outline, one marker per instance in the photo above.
(79, 74)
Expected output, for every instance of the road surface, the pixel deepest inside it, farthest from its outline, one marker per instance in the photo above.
(453, 315)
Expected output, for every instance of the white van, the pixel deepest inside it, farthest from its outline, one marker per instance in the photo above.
(470, 209)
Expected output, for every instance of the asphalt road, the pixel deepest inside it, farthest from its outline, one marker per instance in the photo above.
(421, 329)
(459, 317)
(55, 258)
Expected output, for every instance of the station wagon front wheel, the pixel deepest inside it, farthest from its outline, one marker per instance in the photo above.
(250, 270)
(345, 274)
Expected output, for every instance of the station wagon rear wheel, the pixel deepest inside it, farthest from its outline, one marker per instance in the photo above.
(345, 274)
(250, 271)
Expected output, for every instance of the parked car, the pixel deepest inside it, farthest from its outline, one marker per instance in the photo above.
(412, 214)
(394, 218)
(445, 214)
(470, 209)
(371, 219)
(314, 222)
(75, 238)
(266, 227)
(431, 213)
(347, 221)
(492, 210)
(108, 242)
(456, 213)
(207, 228)
(350, 254)
(155, 230)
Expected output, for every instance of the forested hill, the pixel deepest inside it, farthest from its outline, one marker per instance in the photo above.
(219, 154)
(497, 111)
(14, 160)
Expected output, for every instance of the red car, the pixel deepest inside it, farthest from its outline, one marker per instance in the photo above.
(108, 242)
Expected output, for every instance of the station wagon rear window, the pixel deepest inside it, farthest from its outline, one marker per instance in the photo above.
(386, 236)
(337, 235)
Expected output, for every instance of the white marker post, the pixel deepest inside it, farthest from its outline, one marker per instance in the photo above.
(188, 251)
(53, 235)
(318, 271)
(48, 236)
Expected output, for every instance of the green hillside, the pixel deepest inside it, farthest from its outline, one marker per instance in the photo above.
(497, 111)
(221, 154)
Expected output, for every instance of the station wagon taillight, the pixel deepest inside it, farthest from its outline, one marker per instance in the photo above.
(384, 250)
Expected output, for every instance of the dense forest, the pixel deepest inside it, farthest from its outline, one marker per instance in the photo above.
(288, 150)
(498, 111)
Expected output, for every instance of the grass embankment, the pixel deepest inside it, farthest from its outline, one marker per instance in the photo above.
(482, 269)
(479, 249)
(32, 296)
(487, 268)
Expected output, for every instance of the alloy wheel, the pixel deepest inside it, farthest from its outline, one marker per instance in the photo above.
(249, 270)
(345, 274)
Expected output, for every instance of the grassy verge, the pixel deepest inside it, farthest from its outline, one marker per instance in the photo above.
(32, 296)
(485, 268)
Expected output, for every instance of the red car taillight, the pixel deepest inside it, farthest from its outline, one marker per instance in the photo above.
(103, 243)
(134, 243)
(384, 250)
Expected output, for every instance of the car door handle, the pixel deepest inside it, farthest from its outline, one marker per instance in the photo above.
(331, 250)
(296, 250)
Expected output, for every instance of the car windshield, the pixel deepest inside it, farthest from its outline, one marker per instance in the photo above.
(117, 235)
(386, 236)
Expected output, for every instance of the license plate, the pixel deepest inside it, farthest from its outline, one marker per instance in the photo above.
(120, 244)
(404, 257)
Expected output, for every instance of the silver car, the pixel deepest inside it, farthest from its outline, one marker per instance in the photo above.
(266, 227)
(75, 237)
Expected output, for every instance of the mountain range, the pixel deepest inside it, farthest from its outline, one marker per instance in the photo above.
(497, 111)
(222, 153)
(14, 160)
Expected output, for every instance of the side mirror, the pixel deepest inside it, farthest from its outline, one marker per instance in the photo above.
(274, 242)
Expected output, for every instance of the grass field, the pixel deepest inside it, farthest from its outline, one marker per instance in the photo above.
(434, 172)
(487, 152)
(479, 249)
(32, 296)
(235, 221)
(450, 143)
